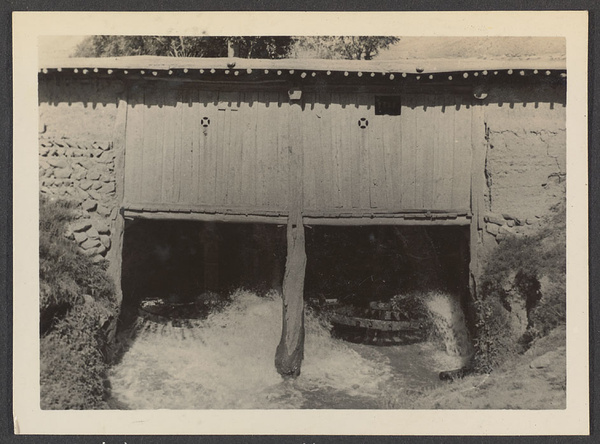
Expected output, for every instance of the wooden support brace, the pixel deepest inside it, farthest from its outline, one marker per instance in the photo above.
(290, 351)
(478, 184)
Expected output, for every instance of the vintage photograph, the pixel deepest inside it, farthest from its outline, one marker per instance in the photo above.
(302, 222)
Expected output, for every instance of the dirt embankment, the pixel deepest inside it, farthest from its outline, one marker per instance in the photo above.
(533, 380)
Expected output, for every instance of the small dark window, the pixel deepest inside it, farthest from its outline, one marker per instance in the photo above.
(388, 106)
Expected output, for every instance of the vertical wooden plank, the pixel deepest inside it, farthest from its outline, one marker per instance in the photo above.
(177, 145)
(479, 144)
(355, 147)
(427, 139)
(193, 128)
(248, 149)
(272, 186)
(135, 145)
(419, 151)
(376, 154)
(408, 153)
(236, 151)
(159, 119)
(311, 124)
(230, 101)
(187, 148)
(210, 133)
(437, 103)
(149, 156)
(364, 184)
(462, 159)
(392, 139)
(204, 146)
(478, 184)
(444, 179)
(220, 141)
(283, 145)
(331, 141)
(261, 198)
(336, 149)
(347, 141)
(168, 153)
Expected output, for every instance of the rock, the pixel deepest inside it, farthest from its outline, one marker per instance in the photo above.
(545, 360)
(88, 299)
(105, 240)
(101, 249)
(97, 185)
(79, 174)
(63, 172)
(90, 243)
(90, 252)
(103, 211)
(89, 205)
(82, 225)
(58, 163)
(85, 163)
(97, 259)
(93, 233)
(504, 232)
(95, 194)
(44, 151)
(492, 229)
(93, 175)
(494, 219)
(104, 146)
(108, 188)
(85, 184)
(80, 237)
(530, 221)
(510, 223)
(102, 227)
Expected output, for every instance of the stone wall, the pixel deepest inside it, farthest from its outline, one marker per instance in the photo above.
(82, 171)
(77, 157)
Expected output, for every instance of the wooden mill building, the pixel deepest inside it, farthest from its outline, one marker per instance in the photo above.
(304, 142)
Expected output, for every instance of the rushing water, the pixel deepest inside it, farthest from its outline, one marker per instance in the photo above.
(227, 362)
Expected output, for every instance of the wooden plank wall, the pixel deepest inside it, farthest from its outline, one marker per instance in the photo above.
(420, 160)
(238, 160)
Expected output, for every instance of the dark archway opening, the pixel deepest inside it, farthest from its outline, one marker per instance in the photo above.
(378, 281)
(363, 264)
(192, 266)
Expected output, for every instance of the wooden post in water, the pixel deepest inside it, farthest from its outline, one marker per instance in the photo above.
(290, 351)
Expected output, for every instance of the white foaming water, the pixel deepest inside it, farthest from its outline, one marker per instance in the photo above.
(227, 361)
(449, 324)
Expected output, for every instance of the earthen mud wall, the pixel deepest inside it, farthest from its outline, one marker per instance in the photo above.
(526, 156)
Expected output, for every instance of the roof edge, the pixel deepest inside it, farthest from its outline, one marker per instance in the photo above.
(411, 66)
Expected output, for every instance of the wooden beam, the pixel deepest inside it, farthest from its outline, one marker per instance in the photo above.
(290, 351)
(392, 221)
(478, 184)
(115, 254)
(206, 217)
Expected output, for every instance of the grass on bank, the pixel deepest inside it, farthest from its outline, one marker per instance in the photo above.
(77, 301)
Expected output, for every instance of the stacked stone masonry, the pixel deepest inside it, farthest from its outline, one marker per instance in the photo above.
(83, 172)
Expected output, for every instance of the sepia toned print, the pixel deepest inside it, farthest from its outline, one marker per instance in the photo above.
(303, 223)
